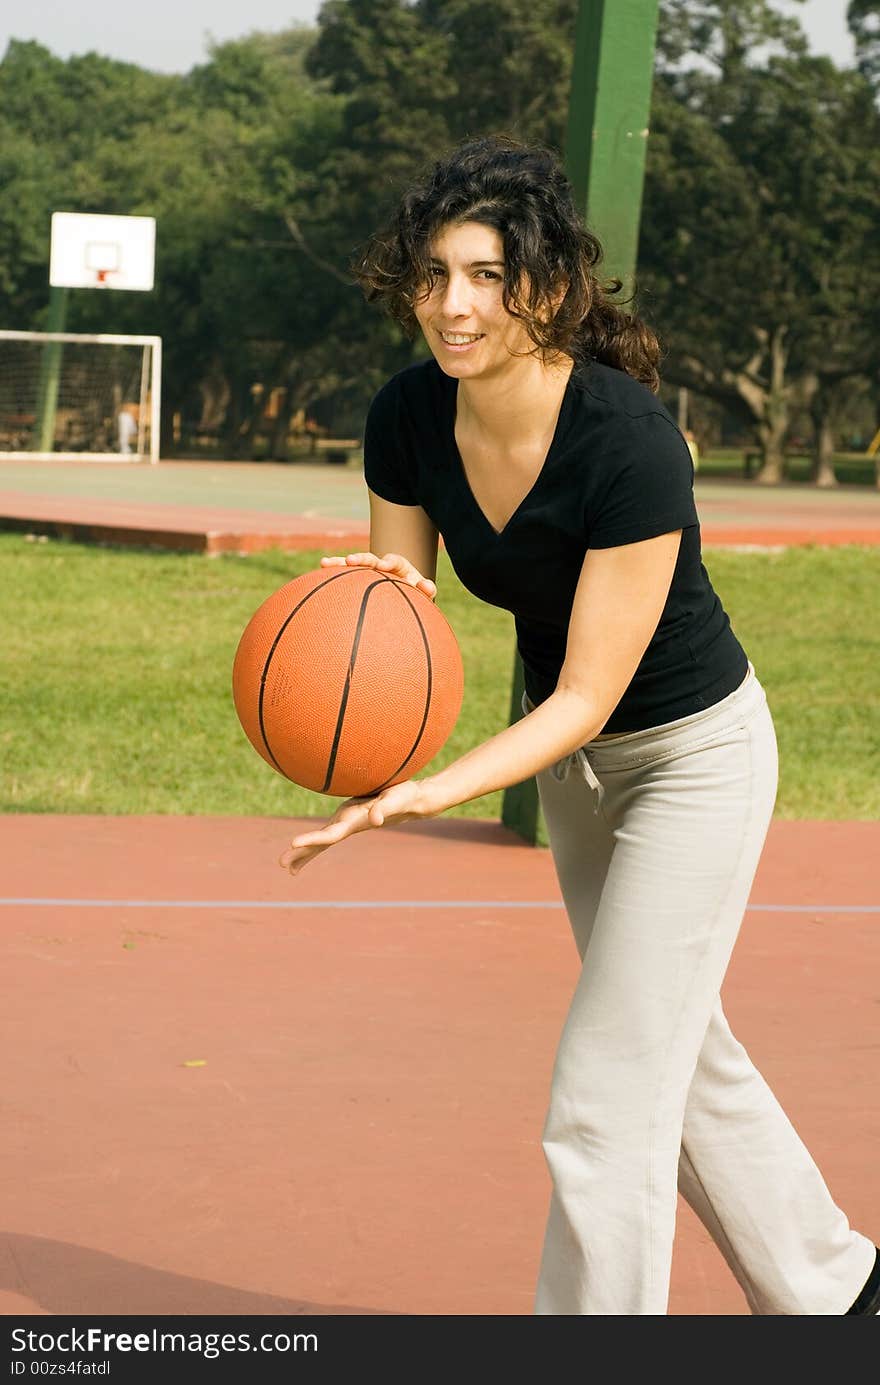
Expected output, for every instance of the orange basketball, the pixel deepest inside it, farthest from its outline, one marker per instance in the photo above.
(347, 681)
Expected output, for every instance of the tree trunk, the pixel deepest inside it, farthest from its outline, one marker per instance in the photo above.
(758, 392)
(827, 406)
(822, 412)
(773, 425)
(215, 392)
(773, 457)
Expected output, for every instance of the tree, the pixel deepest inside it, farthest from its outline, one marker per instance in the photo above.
(197, 152)
(863, 18)
(759, 243)
(54, 116)
(724, 35)
(510, 62)
(269, 165)
(393, 73)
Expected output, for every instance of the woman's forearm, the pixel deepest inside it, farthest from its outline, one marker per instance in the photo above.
(553, 730)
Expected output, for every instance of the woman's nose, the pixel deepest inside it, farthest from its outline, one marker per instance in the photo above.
(457, 296)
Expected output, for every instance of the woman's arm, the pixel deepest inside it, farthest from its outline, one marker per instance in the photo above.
(618, 604)
(407, 540)
(404, 529)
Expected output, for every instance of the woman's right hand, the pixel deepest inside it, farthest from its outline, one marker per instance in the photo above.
(392, 563)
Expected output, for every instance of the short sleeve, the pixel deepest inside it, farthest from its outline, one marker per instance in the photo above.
(648, 485)
(385, 470)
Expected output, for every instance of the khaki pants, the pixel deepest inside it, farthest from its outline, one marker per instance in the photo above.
(656, 837)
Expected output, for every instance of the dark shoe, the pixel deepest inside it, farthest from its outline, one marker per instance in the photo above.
(868, 1301)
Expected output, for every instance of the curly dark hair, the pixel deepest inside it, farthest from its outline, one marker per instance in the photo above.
(523, 193)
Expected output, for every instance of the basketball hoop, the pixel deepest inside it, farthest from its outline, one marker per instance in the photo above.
(92, 251)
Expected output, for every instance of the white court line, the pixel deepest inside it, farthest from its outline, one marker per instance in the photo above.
(32, 902)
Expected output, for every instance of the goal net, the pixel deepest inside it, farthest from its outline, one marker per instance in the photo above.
(68, 395)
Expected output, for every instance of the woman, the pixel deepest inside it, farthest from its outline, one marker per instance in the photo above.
(533, 440)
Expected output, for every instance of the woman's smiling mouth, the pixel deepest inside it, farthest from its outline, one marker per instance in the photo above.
(460, 341)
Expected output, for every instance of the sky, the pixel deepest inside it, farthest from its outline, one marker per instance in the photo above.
(175, 35)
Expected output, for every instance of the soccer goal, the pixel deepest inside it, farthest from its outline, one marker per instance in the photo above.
(77, 396)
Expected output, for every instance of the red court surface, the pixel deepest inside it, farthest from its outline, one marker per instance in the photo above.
(245, 507)
(228, 1092)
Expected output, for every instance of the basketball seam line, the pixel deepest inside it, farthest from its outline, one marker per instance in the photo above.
(264, 675)
(352, 659)
(429, 687)
(347, 688)
(429, 684)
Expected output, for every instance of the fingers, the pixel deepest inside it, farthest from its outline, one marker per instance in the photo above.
(400, 803)
(397, 566)
(352, 816)
(394, 564)
(352, 559)
(292, 860)
(299, 853)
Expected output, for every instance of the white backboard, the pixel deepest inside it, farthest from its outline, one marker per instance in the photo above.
(90, 251)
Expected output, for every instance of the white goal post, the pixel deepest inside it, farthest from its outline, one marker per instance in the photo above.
(76, 396)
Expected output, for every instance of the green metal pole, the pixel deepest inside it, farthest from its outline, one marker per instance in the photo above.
(50, 373)
(608, 113)
(520, 809)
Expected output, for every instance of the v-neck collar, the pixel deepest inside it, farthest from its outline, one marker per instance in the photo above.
(451, 394)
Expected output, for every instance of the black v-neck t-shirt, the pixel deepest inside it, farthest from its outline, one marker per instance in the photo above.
(617, 471)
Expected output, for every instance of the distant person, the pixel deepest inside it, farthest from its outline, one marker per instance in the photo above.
(532, 439)
(126, 425)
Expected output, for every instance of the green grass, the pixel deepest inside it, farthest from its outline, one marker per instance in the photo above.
(850, 468)
(116, 677)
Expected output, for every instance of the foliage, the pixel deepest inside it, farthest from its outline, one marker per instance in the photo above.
(759, 252)
(509, 62)
(723, 34)
(267, 166)
(863, 18)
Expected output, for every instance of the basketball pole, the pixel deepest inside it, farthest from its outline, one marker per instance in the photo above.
(608, 112)
(50, 373)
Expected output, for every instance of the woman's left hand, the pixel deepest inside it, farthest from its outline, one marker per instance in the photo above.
(400, 803)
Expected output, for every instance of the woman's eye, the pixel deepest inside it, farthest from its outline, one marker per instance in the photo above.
(438, 272)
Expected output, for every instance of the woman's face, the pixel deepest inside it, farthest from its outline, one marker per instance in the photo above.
(464, 320)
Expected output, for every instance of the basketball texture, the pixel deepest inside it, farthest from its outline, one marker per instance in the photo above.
(347, 681)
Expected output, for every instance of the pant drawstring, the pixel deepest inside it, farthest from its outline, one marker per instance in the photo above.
(580, 759)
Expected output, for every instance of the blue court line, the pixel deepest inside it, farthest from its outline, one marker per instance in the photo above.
(26, 902)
